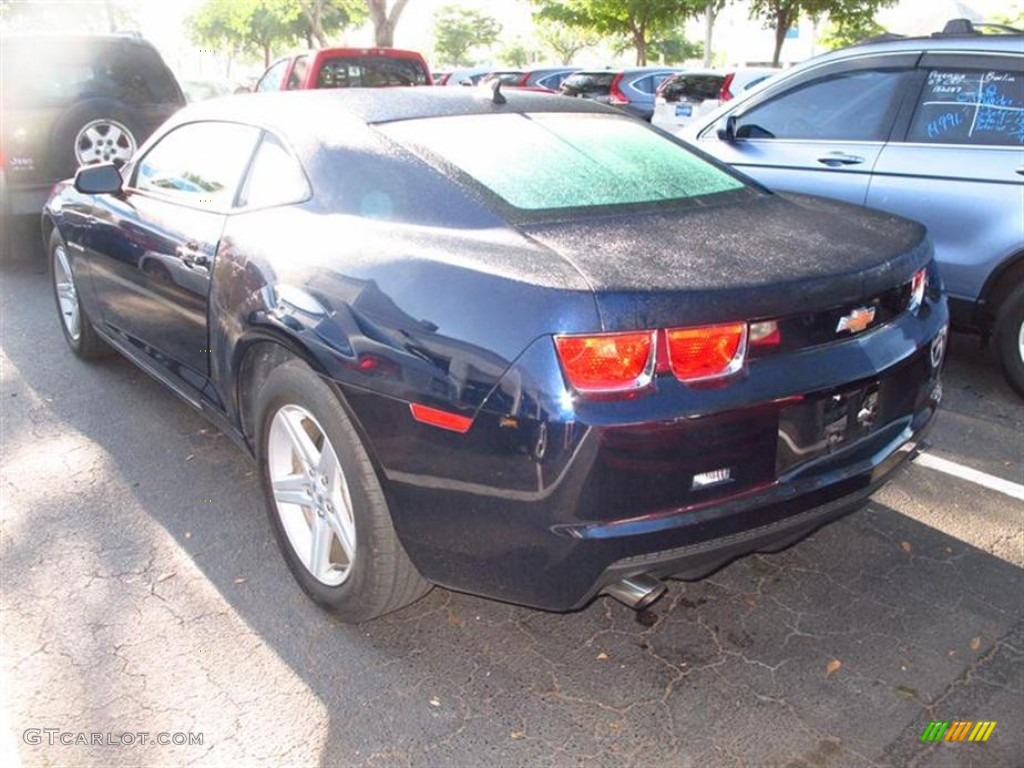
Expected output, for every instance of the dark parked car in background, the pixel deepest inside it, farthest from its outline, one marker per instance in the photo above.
(535, 78)
(537, 374)
(346, 68)
(631, 90)
(73, 100)
(928, 128)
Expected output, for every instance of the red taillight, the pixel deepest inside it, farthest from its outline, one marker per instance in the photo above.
(918, 285)
(522, 81)
(615, 94)
(443, 419)
(606, 363)
(726, 93)
(706, 352)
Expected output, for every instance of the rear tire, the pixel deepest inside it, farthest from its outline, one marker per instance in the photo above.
(75, 323)
(325, 502)
(1009, 339)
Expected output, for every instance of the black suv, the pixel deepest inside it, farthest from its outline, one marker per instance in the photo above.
(68, 101)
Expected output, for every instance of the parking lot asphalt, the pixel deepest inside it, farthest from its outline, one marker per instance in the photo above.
(142, 593)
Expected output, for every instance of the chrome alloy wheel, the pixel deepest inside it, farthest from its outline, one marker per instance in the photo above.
(311, 496)
(67, 297)
(104, 141)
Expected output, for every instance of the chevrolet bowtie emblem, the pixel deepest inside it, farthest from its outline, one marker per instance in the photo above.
(856, 321)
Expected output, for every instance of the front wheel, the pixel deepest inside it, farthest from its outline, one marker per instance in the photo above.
(325, 502)
(1009, 338)
(74, 321)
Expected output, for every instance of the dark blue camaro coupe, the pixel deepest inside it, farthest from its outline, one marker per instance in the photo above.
(521, 346)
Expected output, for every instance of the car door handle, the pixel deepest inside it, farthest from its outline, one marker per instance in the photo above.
(192, 256)
(836, 159)
(1021, 170)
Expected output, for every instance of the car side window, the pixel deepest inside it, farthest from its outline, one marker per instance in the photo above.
(645, 84)
(275, 177)
(199, 164)
(271, 80)
(298, 73)
(978, 107)
(849, 106)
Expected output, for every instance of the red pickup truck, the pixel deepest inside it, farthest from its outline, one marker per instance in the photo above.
(346, 68)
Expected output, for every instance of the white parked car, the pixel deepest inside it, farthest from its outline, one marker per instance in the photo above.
(691, 94)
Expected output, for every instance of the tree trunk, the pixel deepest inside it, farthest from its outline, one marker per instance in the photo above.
(780, 38)
(783, 21)
(316, 26)
(709, 25)
(111, 18)
(266, 55)
(640, 41)
(384, 23)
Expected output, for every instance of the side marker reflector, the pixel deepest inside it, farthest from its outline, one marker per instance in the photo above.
(442, 419)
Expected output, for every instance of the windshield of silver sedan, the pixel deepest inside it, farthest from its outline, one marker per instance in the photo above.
(544, 161)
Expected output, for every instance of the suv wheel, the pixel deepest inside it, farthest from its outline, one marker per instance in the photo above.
(104, 141)
(1009, 338)
(97, 131)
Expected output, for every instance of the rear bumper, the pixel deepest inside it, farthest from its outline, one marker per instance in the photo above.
(545, 507)
(22, 200)
(780, 516)
(466, 539)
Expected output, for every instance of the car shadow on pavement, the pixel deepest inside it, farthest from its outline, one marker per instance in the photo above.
(140, 575)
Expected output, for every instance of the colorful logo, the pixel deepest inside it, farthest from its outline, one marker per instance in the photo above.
(857, 320)
(958, 730)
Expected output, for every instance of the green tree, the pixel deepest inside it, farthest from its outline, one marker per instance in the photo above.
(68, 15)
(780, 15)
(640, 21)
(237, 26)
(385, 21)
(842, 35)
(319, 19)
(674, 48)
(458, 30)
(518, 55)
(564, 42)
(1013, 17)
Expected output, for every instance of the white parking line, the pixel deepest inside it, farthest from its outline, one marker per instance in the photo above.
(1013, 490)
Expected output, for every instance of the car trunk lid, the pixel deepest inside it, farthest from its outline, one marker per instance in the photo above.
(776, 256)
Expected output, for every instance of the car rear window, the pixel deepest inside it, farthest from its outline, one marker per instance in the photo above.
(600, 83)
(56, 72)
(696, 87)
(550, 161)
(370, 72)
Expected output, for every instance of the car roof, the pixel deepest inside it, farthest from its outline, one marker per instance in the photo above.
(319, 111)
(625, 70)
(1012, 43)
(398, 53)
(74, 38)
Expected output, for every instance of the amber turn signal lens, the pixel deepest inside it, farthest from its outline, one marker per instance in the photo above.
(706, 352)
(613, 362)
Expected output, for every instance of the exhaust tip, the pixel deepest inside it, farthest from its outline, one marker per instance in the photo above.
(637, 592)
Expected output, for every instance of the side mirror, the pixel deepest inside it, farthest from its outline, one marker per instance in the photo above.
(727, 129)
(100, 179)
